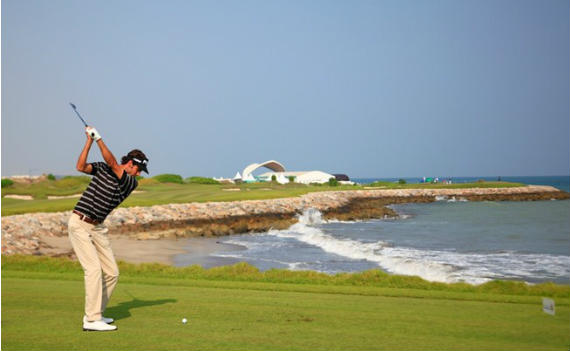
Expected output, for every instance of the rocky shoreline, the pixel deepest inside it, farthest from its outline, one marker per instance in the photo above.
(23, 234)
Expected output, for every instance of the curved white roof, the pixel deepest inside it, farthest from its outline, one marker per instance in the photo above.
(271, 164)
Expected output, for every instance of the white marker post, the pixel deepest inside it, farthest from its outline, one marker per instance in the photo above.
(548, 306)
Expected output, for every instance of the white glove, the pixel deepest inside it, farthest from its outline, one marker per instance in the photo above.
(93, 133)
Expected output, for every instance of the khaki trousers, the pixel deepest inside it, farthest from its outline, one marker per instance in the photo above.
(93, 250)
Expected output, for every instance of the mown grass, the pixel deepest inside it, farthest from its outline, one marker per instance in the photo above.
(244, 272)
(41, 190)
(154, 192)
(482, 184)
(230, 309)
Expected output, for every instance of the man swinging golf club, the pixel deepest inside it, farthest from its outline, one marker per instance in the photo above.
(111, 184)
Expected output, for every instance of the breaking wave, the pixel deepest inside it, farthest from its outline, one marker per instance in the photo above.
(432, 265)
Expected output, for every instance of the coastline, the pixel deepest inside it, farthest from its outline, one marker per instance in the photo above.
(198, 252)
(125, 249)
(159, 233)
(165, 251)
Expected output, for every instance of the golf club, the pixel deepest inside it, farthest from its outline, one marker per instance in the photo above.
(78, 115)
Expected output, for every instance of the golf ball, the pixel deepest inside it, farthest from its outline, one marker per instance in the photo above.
(184, 320)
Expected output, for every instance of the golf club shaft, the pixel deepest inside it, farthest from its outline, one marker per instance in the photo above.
(77, 113)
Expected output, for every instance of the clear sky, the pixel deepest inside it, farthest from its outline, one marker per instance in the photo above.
(376, 88)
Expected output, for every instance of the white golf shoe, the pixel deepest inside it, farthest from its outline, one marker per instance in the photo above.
(104, 319)
(98, 326)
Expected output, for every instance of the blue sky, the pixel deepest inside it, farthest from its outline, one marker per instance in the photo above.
(367, 88)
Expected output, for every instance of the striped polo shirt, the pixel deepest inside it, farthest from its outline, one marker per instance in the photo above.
(105, 192)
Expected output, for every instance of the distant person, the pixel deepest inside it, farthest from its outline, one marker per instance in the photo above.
(111, 184)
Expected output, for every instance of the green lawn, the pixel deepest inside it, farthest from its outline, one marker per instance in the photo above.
(154, 193)
(42, 303)
(239, 308)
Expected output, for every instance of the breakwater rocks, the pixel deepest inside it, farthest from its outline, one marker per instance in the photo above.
(23, 233)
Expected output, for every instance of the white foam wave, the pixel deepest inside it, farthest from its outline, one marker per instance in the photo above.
(378, 252)
(405, 216)
(295, 266)
(226, 255)
(290, 265)
(439, 266)
(450, 199)
(453, 199)
(332, 221)
(255, 245)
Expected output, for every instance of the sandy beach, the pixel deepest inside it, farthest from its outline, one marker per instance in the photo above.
(199, 250)
(165, 251)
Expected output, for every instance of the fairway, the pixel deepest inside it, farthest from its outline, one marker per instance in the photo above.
(43, 313)
(151, 193)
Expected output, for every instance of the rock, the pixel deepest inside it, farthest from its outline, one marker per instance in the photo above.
(21, 233)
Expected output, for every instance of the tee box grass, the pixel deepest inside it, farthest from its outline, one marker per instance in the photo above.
(42, 304)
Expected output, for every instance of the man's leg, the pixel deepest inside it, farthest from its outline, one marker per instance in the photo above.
(108, 263)
(80, 235)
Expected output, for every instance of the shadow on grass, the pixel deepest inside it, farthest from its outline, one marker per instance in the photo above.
(122, 310)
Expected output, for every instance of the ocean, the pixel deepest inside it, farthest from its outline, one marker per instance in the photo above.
(445, 241)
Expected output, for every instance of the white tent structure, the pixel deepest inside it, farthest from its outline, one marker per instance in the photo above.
(313, 177)
(306, 177)
(281, 179)
(237, 177)
(248, 178)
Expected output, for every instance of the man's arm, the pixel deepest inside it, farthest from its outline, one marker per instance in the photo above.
(109, 158)
(107, 154)
(82, 165)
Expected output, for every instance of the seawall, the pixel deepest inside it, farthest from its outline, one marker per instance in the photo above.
(22, 234)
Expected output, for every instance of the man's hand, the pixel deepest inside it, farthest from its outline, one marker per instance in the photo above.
(93, 133)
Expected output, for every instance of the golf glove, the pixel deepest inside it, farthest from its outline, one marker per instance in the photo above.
(93, 133)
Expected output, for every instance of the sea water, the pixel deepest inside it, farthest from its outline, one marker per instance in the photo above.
(471, 242)
(445, 241)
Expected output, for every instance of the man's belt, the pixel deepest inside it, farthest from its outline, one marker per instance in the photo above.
(84, 218)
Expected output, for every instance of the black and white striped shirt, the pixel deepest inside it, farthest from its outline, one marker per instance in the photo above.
(105, 192)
